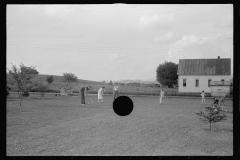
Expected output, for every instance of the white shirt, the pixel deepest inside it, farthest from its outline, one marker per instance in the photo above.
(161, 93)
(100, 91)
(203, 95)
(115, 88)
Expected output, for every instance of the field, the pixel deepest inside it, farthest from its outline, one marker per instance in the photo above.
(54, 125)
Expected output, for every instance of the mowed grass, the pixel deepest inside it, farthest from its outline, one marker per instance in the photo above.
(61, 126)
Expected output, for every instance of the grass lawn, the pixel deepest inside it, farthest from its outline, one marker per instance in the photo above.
(60, 126)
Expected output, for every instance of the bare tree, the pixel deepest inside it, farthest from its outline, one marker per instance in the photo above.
(23, 78)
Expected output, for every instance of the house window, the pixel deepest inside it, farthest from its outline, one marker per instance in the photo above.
(197, 83)
(184, 82)
(209, 83)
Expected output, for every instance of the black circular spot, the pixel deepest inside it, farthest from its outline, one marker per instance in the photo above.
(122, 105)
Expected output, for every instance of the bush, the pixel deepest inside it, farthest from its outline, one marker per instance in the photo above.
(33, 90)
(8, 89)
(25, 94)
(42, 88)
(52, 90)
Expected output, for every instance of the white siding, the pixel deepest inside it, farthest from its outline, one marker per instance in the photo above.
(220, 90)
(203, 82)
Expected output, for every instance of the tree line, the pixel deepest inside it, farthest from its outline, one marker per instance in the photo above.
(166, 74)
(23, 77)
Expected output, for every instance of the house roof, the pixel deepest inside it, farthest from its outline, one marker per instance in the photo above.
(204, 66)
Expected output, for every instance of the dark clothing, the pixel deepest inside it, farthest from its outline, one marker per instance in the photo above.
(215, 101)
(82, 98)
(82, 94)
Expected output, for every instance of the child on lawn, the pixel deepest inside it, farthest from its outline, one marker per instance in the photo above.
(203, 97)
(161, 97)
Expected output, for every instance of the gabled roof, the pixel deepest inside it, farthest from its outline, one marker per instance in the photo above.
(204, 66)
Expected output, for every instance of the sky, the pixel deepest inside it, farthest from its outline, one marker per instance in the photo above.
(116, 41)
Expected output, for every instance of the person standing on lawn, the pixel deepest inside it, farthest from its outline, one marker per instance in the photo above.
(100, 94)
(161, 96)
(203, 97)
(82, 90)
(115, 91)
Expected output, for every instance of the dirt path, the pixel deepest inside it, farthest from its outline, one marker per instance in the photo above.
(59, 126)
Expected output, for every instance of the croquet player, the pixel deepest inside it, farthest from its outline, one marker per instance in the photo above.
(84, 90)
(100, 94)
(115, 91)
(203, 97)
(215, 102)
(161, 96)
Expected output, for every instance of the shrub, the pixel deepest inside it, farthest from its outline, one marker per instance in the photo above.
(53, 91)
(8, 89)
(33, 90)
(25, 94)
(42, 88)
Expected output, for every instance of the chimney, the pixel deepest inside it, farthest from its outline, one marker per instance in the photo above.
(218, 57)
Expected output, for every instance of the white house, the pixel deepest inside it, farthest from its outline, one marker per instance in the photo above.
(196, 75)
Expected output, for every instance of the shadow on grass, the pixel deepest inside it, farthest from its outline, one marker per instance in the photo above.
(35, 98)
(218, 130)
(78, 106)
(89, 106)
(13, 99)
(228, 130)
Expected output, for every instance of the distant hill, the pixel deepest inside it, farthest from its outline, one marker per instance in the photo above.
(143, 81)
(137, 81)
(58, 79)
(151, 79)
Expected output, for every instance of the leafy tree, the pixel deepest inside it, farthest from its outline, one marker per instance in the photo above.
(30, 70)
(110, 83)
(23, 78)
(212, 115)
(167, 74)
(50, 79)
(69, 78)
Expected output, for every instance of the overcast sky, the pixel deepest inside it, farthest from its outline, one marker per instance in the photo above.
(115, 41)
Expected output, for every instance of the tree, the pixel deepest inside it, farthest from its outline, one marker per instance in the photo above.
(23, 78)
(50, 79)
(110, 83)
(167, 74)
(212, 115)
(69, 77)
(30, 70)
